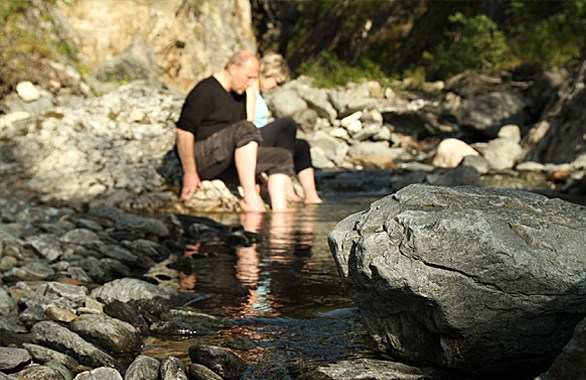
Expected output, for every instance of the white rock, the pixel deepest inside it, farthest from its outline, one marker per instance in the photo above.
(27, 91)
(450, 153)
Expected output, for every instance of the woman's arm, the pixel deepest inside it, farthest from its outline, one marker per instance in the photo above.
(251, 95)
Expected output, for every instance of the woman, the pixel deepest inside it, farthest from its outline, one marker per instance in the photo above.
(281, 132)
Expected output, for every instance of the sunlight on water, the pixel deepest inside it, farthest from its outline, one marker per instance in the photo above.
(283, 293)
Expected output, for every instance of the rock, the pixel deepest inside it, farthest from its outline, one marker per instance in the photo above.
(143, 368)
(129, 222)
(504, 151)
(130, 289)
(136, 62)
(111, 334)
(479, 163)
(450, 152)
(458, 176)
(570, 363)
(100, 373)
(39, 372)
(8, 305)
(11, 358)
(27, 91)
(57, 337)
(375, 370)
(43, 354)
(222, 361)
(483, 115)
(460, 277)
(172, 369)
(58, 314)
(201, 372)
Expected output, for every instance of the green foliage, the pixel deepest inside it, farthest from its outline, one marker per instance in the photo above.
(329, 71)
(474, 43)
(26, 39)
(545, 37)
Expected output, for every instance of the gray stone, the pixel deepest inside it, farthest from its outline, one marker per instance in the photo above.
(173, 369)
(372, 369)
(8, 305)
(57, 337)
(44, 354)
(47, 245)
(130, 289)
(220, 360)
(461, 277)
(39, 372)
(201, 372)
(100, 373)
(111, 334)
(143, 368)
(571, 362)
(11, 358)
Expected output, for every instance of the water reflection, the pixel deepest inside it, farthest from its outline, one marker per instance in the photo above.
(283, 293)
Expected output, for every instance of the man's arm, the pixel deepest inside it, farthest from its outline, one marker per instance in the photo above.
(185, 148)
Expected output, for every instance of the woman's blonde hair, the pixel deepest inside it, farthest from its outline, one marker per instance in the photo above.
(273, 65)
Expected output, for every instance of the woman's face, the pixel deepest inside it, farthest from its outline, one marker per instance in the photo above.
(268, 83)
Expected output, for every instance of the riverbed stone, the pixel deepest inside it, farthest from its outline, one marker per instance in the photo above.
(11, 358)
(173, 369)
(489, 282)
(111, 334)
(39, 372)
(143, 368)
(43, 354)
(131, 289)
(201, 372)
(373, 369)
(54, 336)
(222, 361)
(100, 373)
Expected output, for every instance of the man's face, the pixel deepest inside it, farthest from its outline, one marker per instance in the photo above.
(244, 75)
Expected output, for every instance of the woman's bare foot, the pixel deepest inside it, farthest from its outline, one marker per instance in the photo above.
(253, 204)
(315, 200)
(293, 197)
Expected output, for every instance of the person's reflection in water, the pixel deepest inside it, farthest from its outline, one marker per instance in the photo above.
(271, 269)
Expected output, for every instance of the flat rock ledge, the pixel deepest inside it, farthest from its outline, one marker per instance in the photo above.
(483, 281)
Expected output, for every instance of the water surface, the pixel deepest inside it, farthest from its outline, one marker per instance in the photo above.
(283, 293)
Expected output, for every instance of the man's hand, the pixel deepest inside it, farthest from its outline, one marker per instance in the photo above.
(191, 182)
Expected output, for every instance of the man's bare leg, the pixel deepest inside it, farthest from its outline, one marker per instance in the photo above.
(245, 160)
(307, 181)
(278, 184)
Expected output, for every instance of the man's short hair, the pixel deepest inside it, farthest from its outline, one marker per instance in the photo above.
(240, 58)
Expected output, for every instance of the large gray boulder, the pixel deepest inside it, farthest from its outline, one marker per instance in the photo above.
(487, 281)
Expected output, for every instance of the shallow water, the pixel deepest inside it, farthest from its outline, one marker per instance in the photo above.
(283, 293)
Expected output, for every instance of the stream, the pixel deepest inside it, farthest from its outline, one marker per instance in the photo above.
(283, 294)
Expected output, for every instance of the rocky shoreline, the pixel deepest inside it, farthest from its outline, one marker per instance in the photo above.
(89, 203)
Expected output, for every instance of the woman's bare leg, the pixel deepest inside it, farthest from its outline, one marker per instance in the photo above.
(307, 181)
(278, 184)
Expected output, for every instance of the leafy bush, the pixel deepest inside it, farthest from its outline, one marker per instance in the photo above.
(473, 44)
(328, 71)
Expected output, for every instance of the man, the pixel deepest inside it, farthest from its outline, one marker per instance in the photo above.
(214, 139)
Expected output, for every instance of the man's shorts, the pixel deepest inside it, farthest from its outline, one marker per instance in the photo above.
(214, 156)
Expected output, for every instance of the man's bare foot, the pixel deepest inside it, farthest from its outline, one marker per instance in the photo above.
(252, 204)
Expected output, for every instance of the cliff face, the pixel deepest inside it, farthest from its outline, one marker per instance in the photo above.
(188, 39)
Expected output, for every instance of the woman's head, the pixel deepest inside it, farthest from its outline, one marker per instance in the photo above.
(273, 71)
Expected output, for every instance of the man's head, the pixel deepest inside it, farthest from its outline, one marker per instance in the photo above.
(242, 70)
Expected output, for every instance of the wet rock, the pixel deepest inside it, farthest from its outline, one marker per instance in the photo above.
(459, 277)
(111, 334)
(11, 358)
(101, 373)
(201, 372)
(173, 369)
(57, 337)
(179, 328)
(220, 360)
(143, 368)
